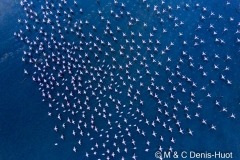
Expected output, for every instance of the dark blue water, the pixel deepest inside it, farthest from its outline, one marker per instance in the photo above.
(26, 131)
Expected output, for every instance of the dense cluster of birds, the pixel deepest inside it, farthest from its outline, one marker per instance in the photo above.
(119, 70)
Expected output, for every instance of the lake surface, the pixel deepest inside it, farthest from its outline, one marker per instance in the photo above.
(26, 130)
